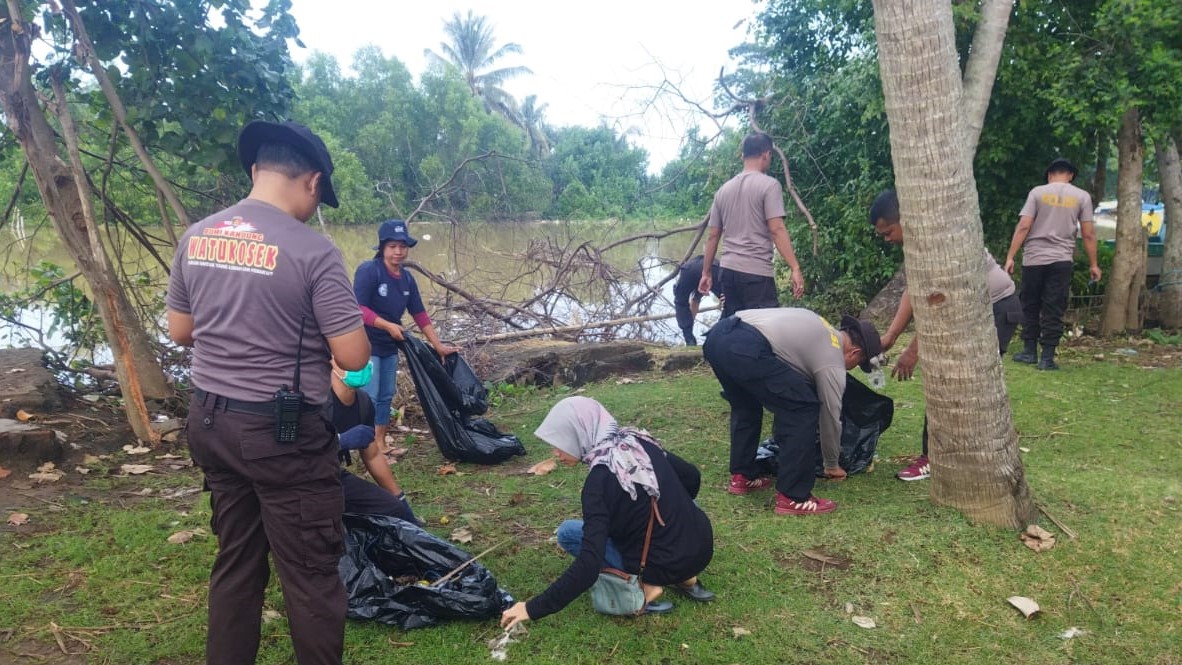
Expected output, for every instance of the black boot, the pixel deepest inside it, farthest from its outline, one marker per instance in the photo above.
(1048, 358)
(1029, 355)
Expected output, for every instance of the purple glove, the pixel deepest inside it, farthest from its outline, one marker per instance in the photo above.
(357, 438)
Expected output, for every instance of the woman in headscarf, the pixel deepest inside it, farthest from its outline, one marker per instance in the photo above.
(627, 467)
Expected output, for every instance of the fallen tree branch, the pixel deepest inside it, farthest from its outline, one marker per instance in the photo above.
(577, 328)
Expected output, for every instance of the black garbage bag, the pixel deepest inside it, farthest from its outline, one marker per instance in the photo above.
(865, 415)
(385, 561)
(470, 395)
(458, 438)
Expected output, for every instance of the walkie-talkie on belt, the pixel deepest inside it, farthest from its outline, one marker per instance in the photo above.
(289, 403)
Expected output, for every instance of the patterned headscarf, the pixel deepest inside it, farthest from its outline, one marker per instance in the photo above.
(582, 428)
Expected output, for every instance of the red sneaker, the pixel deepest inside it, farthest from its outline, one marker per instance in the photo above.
(920, 469)
(810, 506)
(741, 484)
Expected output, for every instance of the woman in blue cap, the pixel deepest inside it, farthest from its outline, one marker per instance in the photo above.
(385, 291)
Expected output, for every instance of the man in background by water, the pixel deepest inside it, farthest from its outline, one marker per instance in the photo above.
(686, 298)
(749, 210)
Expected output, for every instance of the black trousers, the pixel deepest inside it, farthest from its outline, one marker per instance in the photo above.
(1007, 312)
(284, 499)
(742, 291)
(1044, 301)
(362, 496)
(753, 379)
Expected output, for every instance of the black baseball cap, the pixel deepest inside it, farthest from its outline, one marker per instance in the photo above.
(301, 138)
(865, 337)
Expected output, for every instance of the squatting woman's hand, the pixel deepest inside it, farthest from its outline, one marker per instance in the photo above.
(514, 615)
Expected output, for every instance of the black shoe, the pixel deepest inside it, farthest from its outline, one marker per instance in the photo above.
(695, 592)
(1047, 364)
(658, 607)
(1028, 357)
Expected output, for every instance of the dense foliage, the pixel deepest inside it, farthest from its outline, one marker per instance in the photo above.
(449, 143)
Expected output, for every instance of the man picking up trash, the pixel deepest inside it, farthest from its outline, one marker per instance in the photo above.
(793, 363)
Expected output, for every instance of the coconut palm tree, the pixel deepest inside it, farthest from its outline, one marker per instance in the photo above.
(532, 120)
(473, 50)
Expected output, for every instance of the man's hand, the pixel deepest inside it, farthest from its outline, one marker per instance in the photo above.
(514, 615)
(905, 366)
(836, 473)
(705, 284)
(1009, 266)
(797, 282)
(1095, 273)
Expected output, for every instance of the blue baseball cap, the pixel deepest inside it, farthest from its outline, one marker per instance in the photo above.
(394, 229)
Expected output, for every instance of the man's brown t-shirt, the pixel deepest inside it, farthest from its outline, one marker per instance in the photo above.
(248, 276)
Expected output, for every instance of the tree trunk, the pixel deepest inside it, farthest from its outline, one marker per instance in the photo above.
(84, 50)
(981, 69)
(974, 447)
(1099, 183)
(979, 73)
(140, 375)
(1170, 284)
(1122, 298)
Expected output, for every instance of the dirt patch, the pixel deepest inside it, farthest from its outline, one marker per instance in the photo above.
(817, 560)
(16, 650)
(1138, 351)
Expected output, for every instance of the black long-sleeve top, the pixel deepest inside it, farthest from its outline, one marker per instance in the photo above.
(679, 550)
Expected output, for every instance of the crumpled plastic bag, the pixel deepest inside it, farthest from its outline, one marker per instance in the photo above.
(389, 567)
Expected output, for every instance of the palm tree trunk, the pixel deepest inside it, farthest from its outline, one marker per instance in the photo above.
(1169, 169)
(981, 69)
(974, 447)
(1122, 298)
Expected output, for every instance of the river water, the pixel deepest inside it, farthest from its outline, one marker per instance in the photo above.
(509, 262)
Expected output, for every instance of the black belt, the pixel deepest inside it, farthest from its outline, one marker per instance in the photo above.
(242, 406)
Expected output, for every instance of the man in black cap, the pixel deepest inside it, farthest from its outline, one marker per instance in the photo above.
(1047, 226)
(263, 300)
(793, 363)
(686, 298)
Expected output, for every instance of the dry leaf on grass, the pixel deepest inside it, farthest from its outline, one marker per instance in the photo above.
(1072, 632)
(136, 450)
(1026, 606)
(4, 473)
(461, 535)
(182, 537)
(544, 467)
(17, 519)
(47, 473)
(271, 615)
(91, 459)
(864, 622)
(446, 470)
(1037, 538)
(739, 632)
(23, 416)
(82, 470)
(135, 469)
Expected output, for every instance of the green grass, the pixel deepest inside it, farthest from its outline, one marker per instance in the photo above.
(1104, 442)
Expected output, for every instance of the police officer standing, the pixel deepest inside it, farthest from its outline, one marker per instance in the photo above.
(257, 294)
